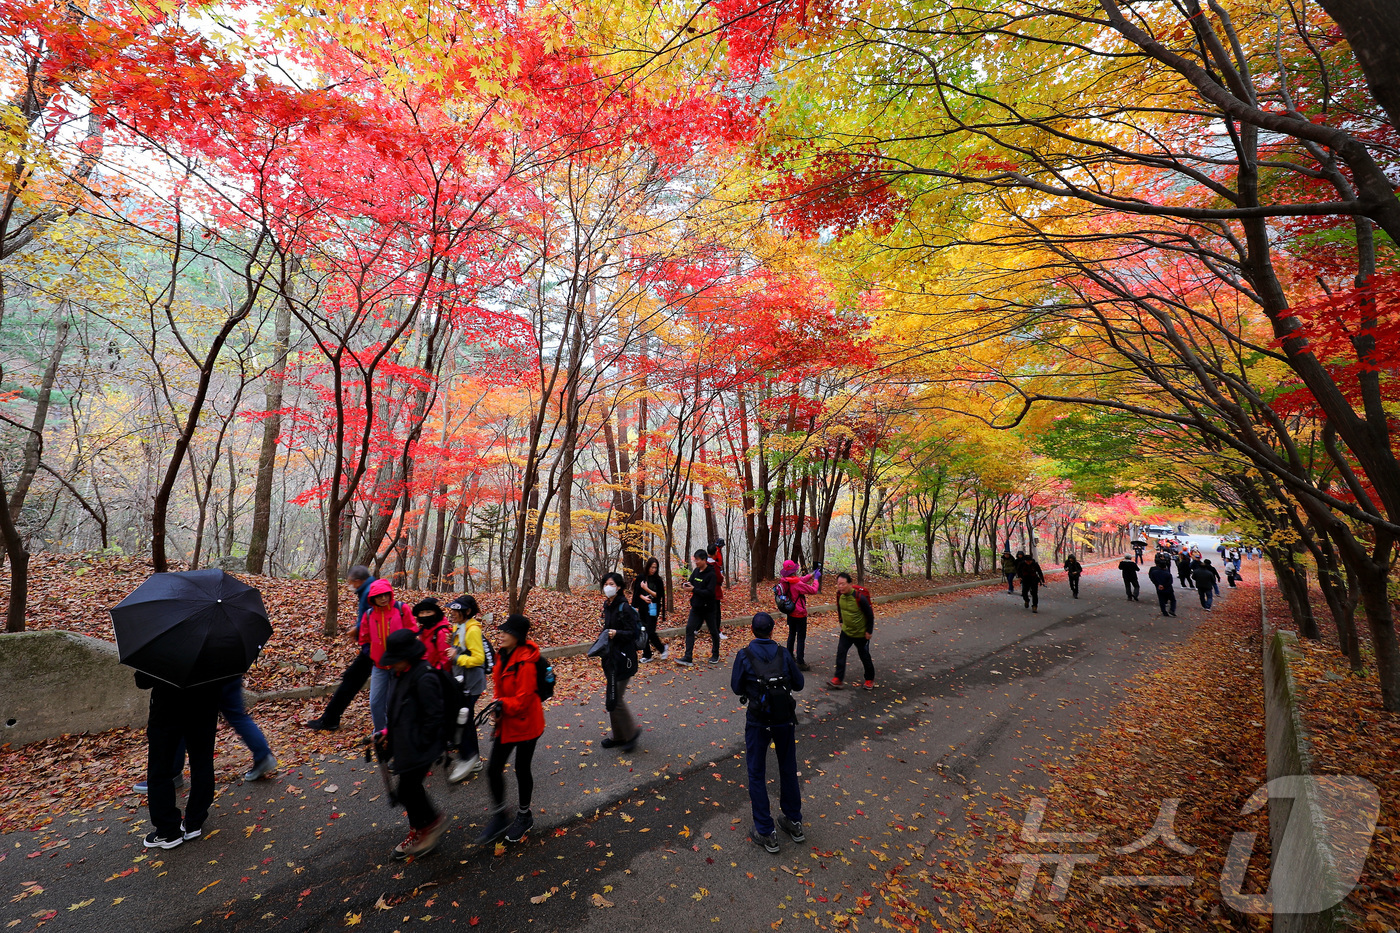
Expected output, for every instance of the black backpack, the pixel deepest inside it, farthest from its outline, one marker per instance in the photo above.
(768, 690)
(783, 600)
(544, 679)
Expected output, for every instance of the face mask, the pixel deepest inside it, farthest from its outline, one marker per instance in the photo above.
(610, 590)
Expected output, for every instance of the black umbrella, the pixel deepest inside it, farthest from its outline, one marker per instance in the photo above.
(191, 628)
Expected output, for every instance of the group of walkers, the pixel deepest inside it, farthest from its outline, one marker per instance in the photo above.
(427, 668)
(1191, 569)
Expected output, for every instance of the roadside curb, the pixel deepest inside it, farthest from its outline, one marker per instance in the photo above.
(1300, 858)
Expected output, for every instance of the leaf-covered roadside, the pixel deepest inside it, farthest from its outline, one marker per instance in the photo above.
(1192, 729)
(1350, 733)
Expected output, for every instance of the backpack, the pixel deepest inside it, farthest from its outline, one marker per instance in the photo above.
(783, 600)
(768, 690)
(453, 700)
(544, 679)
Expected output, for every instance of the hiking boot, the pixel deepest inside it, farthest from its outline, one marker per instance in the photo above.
(405, 848)
(261, 769)
(868, 685)
(461, 770)
(189, 834)
(524, 819)
(495, 828)
(714, 660)
(769, 842)
(1035, 609)
(319, 724)
(610, 742)
(429, 836)
(835, 683)
(792, 828)
(803, 666)
(157, 841)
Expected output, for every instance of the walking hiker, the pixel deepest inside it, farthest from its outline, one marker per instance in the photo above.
(435, 632)
(792, 602)
(1073, 570)
(619, 663)
(1129, 568)
(1139, 546)
(1183, 567)
(1207, 580)
(472, 664)
(857, 625)
(179, 717)
(385, 616)
(701, 585)
(764, 677)
(519, 714)
(716, 562)
(353, 680)
(1032, 579)
(649, 599)
(415, 738)
(1008, 569)
(1161, 577)
(235, 713)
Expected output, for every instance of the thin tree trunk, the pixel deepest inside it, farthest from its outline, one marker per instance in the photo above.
(272, 429)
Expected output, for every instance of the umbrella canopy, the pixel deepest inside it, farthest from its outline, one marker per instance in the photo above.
(191, 628)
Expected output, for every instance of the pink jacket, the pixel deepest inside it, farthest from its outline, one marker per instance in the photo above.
(378, 623)
(799, 588)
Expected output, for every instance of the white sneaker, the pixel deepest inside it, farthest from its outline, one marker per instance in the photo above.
(461, 770)
(665, 654)
(723, 637)
(644, 660)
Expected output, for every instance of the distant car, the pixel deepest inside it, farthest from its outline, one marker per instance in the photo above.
(1160, 531)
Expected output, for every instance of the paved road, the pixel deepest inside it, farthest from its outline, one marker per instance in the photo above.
(972, 696)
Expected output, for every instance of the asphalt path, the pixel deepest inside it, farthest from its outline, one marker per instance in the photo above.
(972, 696)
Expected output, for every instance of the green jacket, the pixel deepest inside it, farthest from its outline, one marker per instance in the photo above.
(857, 615)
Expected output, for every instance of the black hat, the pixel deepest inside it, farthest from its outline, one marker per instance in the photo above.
(429, 606)
(517, 625)
(401, 645)
(762, 622)
(465, 604)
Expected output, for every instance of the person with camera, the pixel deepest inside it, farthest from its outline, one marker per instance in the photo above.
(649, 599)
(619, 662)
(764, 677)
(701, 584)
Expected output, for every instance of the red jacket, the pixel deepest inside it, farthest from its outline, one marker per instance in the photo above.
(378, 623)
(522, 712)
(438, 641)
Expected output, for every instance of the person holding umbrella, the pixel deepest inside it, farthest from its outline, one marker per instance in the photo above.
(188, 635)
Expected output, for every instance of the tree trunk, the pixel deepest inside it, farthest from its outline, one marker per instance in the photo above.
(272, 429)
(34, 443)
(18, 556)
(1372, 28)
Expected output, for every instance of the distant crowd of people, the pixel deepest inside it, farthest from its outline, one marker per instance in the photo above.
(427, 668)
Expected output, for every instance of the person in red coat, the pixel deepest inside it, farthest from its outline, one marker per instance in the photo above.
(519, 716)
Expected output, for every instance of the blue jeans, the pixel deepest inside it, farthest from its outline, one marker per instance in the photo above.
(756, 740)
(1207, 597)
(381, 687)
(232, 709)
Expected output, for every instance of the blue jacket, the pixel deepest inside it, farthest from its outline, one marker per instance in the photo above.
(765, 650)
(362, 591)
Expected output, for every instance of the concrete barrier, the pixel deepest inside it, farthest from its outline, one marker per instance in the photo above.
(53, 683)
(1303, 864)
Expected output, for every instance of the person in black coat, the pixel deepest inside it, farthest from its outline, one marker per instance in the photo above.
(1130, 577)
(1161, 577)
(1032, 579)
(1073, 570)
(417, 737)
(702, 584)
(619, 662)
(1207, 580)
(1183, 567)
(179, 717)
(649, 599)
